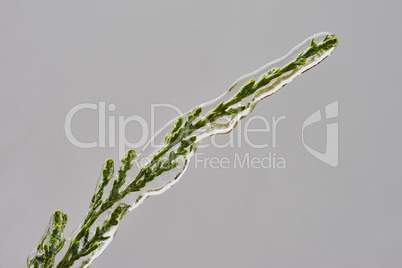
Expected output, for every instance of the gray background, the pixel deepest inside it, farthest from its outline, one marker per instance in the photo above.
(57, 54)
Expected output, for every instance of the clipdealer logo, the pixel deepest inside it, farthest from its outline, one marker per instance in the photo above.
(330, 156)
(112, 131)
(110, 124)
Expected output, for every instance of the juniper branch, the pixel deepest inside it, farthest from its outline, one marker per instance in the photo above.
(165, 159)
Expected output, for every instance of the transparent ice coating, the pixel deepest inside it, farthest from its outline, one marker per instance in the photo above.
(222, 125)
(51, 242)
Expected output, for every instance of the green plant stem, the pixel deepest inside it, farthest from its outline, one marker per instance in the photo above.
(181, 134)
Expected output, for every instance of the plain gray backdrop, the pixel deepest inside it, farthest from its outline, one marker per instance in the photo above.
(57, 54)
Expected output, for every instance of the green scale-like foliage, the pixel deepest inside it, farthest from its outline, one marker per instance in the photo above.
(180, 141)
(51, 242)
